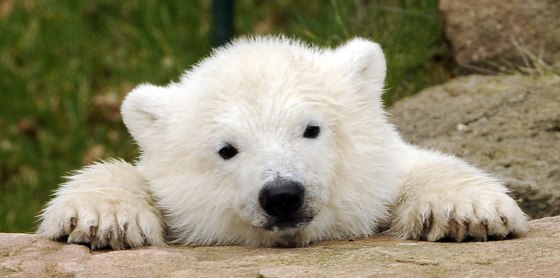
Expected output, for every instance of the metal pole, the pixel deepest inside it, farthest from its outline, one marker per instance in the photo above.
(222, 21)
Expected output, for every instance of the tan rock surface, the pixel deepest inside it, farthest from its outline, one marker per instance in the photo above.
(534, 255)
(508, 125)
(489, 34)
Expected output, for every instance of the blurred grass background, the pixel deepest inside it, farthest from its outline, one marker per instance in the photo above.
(66, 65)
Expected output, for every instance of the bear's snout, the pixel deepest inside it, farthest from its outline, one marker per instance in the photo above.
(282, 198)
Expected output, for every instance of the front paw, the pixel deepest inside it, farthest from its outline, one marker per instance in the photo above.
(473, 215)
(102, 221)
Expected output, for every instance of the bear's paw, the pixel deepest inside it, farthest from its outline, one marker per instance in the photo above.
(99, 222)
(477, 217)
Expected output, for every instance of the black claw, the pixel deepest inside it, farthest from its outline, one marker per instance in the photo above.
(73, 223)
(109, 234)
(453, 227)
(93, 231)
(427, 225)
(123, 231)
(144, 238)
(504, 219)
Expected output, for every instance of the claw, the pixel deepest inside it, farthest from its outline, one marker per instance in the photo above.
(427, 225)
(93, 231)
(73, 223)
(456, 229)
(467, 223)
(123, 231)
(504, 219)
(109, 234)
(484, 223)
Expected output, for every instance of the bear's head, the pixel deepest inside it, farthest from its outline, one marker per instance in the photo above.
(267, 140)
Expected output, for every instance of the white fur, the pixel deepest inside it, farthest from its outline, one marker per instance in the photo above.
(259, 95)
(105, 204)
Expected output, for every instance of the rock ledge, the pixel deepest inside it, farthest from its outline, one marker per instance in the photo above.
(534, 255)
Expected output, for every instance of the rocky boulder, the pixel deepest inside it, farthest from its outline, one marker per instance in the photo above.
(508, 125)
(493, 34)
(534, 255)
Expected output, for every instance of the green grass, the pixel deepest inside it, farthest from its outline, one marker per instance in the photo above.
(65, 66)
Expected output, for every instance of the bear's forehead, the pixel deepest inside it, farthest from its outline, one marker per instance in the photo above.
(262, 86)
(257, 63)
(257, 81)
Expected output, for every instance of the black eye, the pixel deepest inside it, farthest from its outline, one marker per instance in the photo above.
(311, 131)
(228, 151)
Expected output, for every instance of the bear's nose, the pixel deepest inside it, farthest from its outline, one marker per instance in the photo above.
(281, 198)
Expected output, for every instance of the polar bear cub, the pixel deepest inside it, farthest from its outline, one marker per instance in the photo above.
(271, 142)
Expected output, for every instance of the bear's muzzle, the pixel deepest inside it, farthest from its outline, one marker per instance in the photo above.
(283, 200)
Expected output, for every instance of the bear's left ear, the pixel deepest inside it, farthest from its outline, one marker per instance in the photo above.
(143, 111)
(364, 62)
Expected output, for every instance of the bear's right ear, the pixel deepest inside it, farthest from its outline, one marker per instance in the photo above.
(364, 62)
(143, 111)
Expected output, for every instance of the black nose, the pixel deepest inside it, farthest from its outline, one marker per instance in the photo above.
(281, 198)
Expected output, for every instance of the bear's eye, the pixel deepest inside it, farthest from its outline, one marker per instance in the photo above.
(227, 152)
(311, 131)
